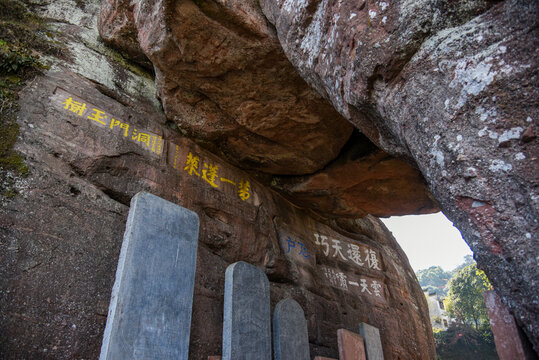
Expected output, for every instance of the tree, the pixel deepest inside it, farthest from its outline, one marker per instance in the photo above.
(465, 298)
(434, 276)
(462, 342)
(467, 260)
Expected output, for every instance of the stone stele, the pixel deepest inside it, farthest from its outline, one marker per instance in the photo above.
(151, 306)
(373, 344)
(290, 337)
(351, 346)
(247, 322)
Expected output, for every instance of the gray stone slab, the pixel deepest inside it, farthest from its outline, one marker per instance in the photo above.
(290, 337)
(247, 321)
(150, 310)
(373, 342)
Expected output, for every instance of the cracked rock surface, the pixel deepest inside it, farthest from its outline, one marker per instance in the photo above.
(448, 87)
(453, 86)
(60, 237)
(347, 108)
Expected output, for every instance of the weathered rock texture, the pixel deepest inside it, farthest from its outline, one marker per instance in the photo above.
(454, 87)
(363, 180)
(225, 81)
(61, 236)
(449, 86)
(223, 78)
(116, 26)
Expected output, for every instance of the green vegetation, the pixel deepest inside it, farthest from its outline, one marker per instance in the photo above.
(434, 278)
(468, 260)
(23, 37)
(14, 58)
(465, 298)
(9, 160)
(462, 342)
(20, 28)
(470, 337)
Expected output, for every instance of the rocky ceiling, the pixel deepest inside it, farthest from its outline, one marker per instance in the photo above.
(224, 80)
(444, 94)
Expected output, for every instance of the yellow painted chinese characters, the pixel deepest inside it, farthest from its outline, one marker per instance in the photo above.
(98, 116)
(74, 106)
(243, 190)
(207, 171)
(149, 141)
(211, 176)
(191, 165)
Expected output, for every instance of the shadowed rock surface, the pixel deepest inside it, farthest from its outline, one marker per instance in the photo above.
(451, 87)
(445, 98)
(223, 78)
(454, 87)
(61, 236)
(362, 180)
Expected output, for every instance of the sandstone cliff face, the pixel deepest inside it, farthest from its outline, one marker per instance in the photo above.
(62, 235)
(362, 180)
(93, 135)
(225, 81)
(444, 95)
(452, 85)
(449, 87)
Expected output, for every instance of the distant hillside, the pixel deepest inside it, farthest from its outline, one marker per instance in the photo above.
(435, 278)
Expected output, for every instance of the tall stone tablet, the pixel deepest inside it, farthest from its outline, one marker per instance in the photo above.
(290, 337)
(373, 343)
(150, 309)
(247, 321)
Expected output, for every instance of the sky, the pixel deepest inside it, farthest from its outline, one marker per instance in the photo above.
(428, 240)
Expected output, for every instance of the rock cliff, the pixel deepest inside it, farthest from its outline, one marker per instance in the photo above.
(287, 126)
(453, 86)
(92, 134)
(449, 88)
(61, 235)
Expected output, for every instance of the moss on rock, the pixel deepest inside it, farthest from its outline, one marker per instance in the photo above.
(23, 37)
(9, 160)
